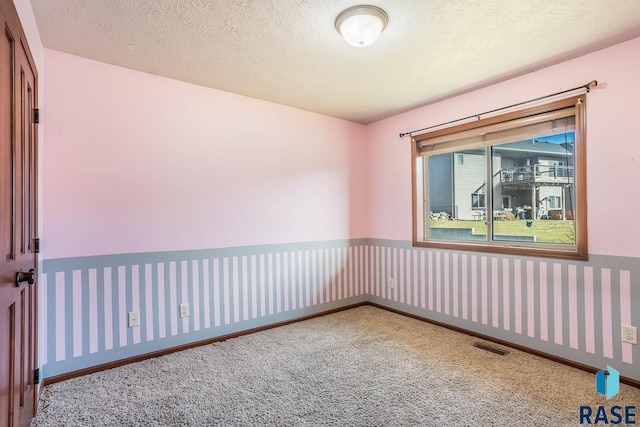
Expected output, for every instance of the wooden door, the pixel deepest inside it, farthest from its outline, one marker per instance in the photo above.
(18, 290)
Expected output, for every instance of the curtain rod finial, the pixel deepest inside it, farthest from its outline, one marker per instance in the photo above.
(592, 84)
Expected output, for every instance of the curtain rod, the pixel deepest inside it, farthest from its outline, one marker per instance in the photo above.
(588, 87)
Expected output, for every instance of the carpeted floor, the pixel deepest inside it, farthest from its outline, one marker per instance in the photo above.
(361, 367)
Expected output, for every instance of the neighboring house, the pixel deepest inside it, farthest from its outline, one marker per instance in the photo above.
(533, 179)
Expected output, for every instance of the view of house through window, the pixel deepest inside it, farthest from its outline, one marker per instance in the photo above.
(533, 174)
(515, 188)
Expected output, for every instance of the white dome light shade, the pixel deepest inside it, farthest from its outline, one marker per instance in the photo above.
(361, 25)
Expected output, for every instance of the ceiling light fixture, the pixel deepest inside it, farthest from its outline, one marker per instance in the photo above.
(360, 26)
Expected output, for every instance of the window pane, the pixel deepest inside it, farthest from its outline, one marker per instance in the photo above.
(457, 195)
(537, 177)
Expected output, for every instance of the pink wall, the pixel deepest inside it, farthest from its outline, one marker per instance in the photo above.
(613, 151)
(136, 162)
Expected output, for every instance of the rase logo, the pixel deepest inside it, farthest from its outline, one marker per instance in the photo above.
(608, 385)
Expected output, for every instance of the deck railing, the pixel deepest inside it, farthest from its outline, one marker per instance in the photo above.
(538, 173)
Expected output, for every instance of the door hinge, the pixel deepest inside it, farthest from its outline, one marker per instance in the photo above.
(36, 115)
(36, 245)
(36, 376)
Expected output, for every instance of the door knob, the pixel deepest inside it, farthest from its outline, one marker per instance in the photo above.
(29, 277)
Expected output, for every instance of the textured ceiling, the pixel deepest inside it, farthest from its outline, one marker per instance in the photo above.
(288, 51)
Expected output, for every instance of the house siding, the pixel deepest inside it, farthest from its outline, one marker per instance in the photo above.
(441, 183)
(469, 178)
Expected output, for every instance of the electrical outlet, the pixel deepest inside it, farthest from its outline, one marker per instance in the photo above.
(390, 282)
(134, 319)
(629, 334)
(184, 309)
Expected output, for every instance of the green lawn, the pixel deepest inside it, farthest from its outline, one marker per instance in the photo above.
(547, 231)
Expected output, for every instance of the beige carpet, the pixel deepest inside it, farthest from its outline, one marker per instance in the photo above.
(364, 366)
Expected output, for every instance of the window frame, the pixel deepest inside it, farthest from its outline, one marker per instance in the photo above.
(419, 183)
(480, 197)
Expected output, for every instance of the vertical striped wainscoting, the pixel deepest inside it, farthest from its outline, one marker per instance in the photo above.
(567, 309)
(85, 300)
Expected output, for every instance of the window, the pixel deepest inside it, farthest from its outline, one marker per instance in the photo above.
(554, 202)
(519, 190)
(478, 201)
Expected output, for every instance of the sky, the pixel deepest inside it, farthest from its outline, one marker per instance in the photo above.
(559, 138)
